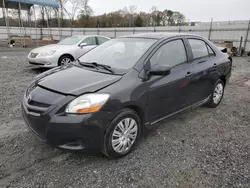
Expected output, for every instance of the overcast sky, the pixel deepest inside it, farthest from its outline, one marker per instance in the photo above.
(195, 10)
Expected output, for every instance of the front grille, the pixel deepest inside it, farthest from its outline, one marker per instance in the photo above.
(35, 107)
(33, 55)
(38, 100)
(38, 104)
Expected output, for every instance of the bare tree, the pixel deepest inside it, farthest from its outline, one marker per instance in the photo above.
(153, 12)
(78, 6)
(164, 17)
(62, 8)
(125, 11)
(86, 9)
(125, 15)
(73, 11)
(152, 15)
(129, 13)
(132, 10)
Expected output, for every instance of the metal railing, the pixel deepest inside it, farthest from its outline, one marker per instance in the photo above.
(236, 32)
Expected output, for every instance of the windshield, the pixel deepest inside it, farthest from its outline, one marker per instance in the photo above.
(70, 40)
(120, 53)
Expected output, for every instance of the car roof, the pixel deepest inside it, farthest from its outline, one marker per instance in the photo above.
(83, 36)
(158, 35)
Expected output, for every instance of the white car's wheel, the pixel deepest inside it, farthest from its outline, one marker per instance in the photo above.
(65, 60)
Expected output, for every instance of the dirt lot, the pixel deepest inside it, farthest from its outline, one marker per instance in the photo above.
(202, 148)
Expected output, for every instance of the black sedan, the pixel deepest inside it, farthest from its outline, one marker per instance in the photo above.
(104, 101)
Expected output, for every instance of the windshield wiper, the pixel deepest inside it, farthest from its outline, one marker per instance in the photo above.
(106, 67)
(95, 65)
(86, 64)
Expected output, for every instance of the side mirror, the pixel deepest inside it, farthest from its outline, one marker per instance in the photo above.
(224, 50)
(160, 70)
(83, 44)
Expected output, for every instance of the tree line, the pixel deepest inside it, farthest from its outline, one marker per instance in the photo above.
(80, 14)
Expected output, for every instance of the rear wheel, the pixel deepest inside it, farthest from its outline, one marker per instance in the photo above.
(65, 60)
(122, 134)
(217, 94)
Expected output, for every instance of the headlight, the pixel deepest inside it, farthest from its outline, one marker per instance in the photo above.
(31, 87)
(87, 103)
(46, 53)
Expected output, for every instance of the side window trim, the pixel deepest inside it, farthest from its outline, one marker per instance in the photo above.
(208, 46)
(164, 43)
(188, 50)
(96, 41)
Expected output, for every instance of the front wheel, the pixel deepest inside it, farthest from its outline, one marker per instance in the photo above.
(216, 95)
(65, 60)
(122, 134)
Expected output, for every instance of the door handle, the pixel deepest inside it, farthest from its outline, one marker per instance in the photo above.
(189, 74)
(215, 65)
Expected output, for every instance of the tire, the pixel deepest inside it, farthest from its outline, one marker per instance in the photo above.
(111, 150)
(65, 59)
(218, 89)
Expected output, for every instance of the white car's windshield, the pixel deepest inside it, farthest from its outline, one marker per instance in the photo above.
(120, 53)
(70, 40)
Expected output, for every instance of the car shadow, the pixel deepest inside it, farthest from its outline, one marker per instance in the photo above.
(37, 70)
(167, 125)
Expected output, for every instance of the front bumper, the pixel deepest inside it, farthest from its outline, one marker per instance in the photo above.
(70, 132)
(49, 61)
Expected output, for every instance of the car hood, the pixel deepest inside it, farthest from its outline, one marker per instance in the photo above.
(51, 47)
(74, 80)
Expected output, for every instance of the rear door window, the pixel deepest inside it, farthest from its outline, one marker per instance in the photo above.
(102, 40)
(199, 48)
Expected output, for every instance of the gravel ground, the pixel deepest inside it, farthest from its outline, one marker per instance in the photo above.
(201, 148)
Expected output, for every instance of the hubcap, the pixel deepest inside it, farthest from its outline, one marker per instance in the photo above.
(218, 92)
(65, 61)
(124, 135)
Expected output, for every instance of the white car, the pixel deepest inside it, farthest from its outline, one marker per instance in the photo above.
(67, 50)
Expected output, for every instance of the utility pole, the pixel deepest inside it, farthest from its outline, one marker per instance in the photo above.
(245, 44)
(6, 16)
(210, 29)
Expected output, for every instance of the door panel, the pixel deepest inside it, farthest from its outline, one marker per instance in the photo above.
(170, 93)
(203, 80)
(204, 62)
